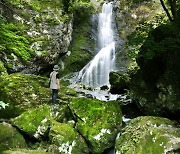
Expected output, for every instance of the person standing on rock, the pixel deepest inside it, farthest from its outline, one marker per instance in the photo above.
(54, 83)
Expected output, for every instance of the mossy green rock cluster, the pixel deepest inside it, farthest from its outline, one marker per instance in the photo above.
(149, 135)
(32, 31)
(10, 138)
(36, 122)
(97, 121)
(65, 139)
(31, 120)
(156, 85)
(70, 126)
(25, 151)
(119, 83)
(22, 92)
(40, 123)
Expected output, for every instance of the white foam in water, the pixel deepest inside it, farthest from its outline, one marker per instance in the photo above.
(96, 72)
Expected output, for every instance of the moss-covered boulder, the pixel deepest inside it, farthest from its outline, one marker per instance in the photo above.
(61, 113)
(34, 122)
(119, 83)
(22, 92)
(156, 85)
(149, 135)
(97, 121)
(10, 138)
(65, 139)
(25, 151)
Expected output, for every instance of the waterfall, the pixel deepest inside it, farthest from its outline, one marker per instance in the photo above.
(96, 72)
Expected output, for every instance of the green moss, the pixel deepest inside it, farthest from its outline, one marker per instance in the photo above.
(96, 123)
(148, 135)
(37, 19)
(61, 130)
(80, 46)
(15, 43)
(25, 151)
(38, 5)
(25, 15)
(23, 92)
(52, 21)
(30, 120)
(3, 70)
(71, 143)
(10, 138)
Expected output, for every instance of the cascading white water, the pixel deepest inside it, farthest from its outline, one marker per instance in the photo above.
(96, 72)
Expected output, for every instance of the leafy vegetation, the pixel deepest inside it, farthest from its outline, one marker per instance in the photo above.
(138, 37)
(11, 41)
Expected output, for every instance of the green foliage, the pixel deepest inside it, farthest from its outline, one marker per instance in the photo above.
(52, 21)
(164, 38)
(81, 8)
(12, 42)
(38, 5)
(138, 37)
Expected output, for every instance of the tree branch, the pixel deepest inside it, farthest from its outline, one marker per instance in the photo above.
(166, 10)
(172, 4)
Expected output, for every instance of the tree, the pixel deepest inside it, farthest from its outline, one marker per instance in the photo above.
(174, 7)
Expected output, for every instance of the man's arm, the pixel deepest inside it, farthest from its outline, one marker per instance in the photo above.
(58, 83)
(58, 80)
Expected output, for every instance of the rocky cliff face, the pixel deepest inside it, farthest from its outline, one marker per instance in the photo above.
(130, 13)
(155, 86)
(45, 25)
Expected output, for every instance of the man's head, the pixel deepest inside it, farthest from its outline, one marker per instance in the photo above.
(56, 68)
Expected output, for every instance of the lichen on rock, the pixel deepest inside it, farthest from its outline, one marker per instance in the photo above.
(25, 151)
(97, 121)
(22, 92)
(65, 139)
(34, 122)
(149, 135)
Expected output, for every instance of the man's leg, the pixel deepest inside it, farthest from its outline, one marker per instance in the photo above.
(54, 96)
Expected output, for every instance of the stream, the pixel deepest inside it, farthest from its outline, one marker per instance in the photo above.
(95, 74)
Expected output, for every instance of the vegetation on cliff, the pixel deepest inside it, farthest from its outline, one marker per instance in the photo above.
(35, 34)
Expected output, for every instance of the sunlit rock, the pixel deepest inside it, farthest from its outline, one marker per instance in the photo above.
(65, 139)
(97, 121)
(22, 92)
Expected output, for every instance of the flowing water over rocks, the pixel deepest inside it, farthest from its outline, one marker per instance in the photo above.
(96, 72)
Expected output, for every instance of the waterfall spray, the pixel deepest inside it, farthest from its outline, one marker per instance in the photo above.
(96, 72)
